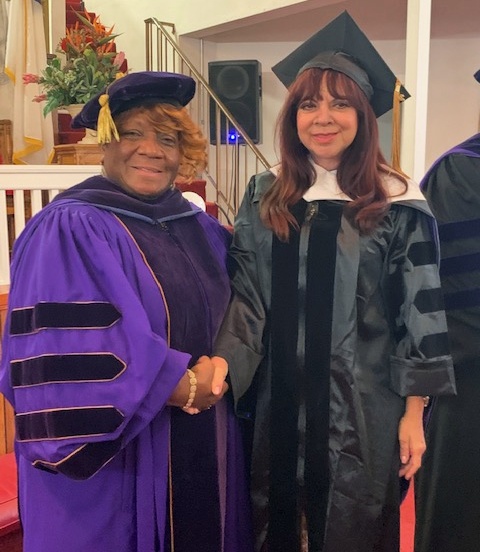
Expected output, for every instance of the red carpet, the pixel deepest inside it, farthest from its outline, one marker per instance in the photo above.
(407, 522)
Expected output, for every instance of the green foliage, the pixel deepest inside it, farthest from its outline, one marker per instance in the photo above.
(78, 80)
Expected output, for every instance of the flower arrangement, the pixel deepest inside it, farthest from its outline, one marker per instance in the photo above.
(88, 64)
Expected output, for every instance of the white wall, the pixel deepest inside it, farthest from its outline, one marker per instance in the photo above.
(453, 94)
(192, 15)
(273, 91)
(187, 15)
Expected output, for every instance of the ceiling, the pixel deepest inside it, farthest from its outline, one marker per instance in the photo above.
(379, 19)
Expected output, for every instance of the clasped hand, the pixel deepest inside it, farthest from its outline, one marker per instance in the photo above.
(210, 374)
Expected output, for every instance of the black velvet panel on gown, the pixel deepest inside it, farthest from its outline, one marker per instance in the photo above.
(301, 306)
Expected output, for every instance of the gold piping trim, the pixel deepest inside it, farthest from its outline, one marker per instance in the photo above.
(54, 465)
(73, 453)
(160, 288)
(65, 302)
(167, 312)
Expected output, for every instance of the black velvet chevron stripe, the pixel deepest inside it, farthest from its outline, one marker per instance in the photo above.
(459, 230)
(435, 345)
(460, 264)
(64, 368)
(429, 300)
(422, 253)
(86, 462)
(462, 299)
(62, 316)
(64, 423)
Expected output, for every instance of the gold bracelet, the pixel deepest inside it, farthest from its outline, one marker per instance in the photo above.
(193, 389)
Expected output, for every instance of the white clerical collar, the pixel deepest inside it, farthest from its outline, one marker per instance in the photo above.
(325, 186)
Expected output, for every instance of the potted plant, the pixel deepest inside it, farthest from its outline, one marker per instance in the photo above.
(86, 64)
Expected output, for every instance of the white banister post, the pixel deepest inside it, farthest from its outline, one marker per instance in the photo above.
(34, 178)
(414, 122)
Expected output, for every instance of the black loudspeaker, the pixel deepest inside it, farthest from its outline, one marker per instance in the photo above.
(238, 84)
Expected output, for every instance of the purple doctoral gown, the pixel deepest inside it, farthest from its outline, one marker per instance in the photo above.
(112, 298)
(446, 488)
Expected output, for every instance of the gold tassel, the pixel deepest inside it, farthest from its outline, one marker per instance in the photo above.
(105, 123)
(398, 98)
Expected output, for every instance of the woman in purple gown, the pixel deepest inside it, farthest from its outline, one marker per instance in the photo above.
(118, 289)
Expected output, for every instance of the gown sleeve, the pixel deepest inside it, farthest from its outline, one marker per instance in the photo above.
(421, 364)
(451, 189)
(240, 340)
(86, 362)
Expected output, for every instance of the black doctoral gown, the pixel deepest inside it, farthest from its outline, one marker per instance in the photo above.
(325, 337)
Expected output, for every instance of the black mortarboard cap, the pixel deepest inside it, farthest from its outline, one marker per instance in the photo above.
(477, 76)
(136, 89)
(336, 46)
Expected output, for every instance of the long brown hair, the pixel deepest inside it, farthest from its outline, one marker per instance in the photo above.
(360, 171)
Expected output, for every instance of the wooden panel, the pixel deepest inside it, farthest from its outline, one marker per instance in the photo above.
(78, 154)
(6, 411)
(6, 145)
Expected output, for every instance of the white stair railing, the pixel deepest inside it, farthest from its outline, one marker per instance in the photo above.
(24, 190)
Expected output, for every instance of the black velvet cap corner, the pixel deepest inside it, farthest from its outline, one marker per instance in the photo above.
(342, 46)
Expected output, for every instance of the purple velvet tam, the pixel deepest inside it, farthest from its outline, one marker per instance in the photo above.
(142, 88)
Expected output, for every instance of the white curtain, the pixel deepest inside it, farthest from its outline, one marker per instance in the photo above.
(26, 53)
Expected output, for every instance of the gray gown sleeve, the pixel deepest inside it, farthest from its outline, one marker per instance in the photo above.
(421, 363)
(240, 340)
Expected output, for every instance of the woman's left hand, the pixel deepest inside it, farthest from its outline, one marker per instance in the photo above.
(411, 437)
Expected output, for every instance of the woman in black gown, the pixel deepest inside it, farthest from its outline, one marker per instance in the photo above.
(336, 330)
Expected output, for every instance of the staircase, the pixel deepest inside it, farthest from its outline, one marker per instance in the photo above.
(230, 165)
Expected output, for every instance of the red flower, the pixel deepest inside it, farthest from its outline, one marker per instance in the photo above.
(119, 59)
(30, 78)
